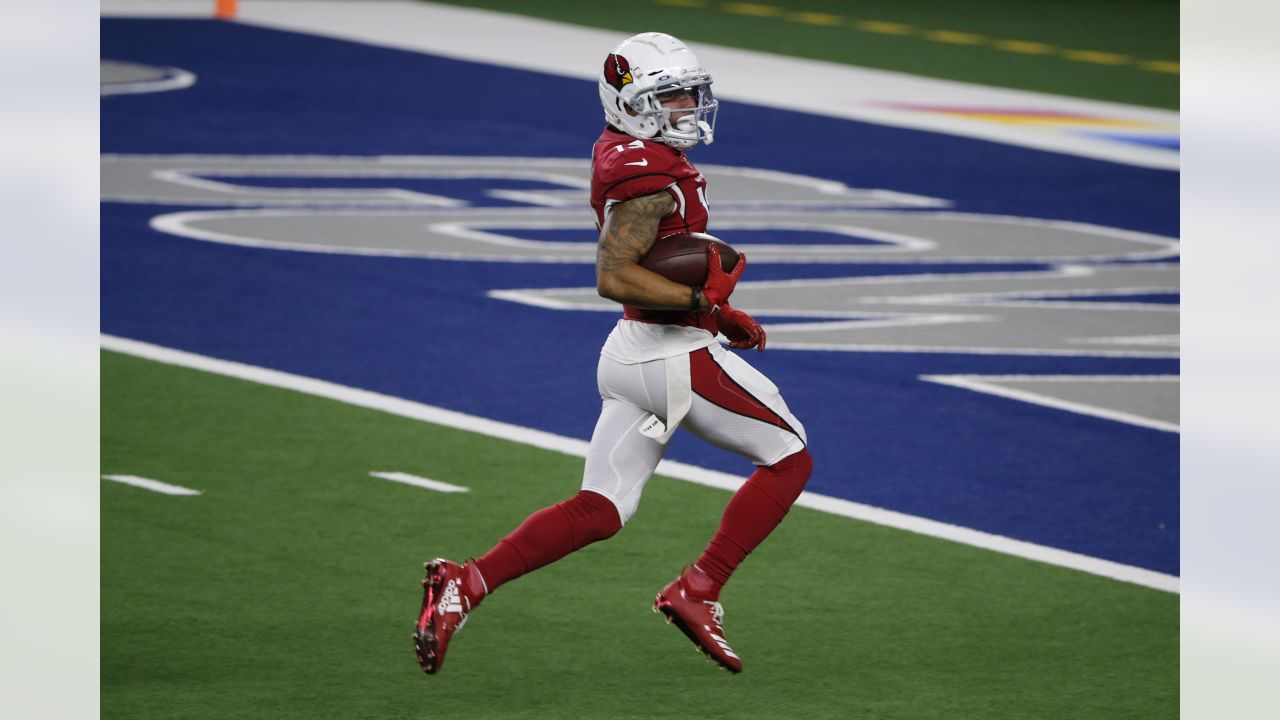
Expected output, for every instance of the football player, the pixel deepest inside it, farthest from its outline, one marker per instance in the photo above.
(660, 368)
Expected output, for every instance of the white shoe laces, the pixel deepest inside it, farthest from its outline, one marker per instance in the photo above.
(717, 611)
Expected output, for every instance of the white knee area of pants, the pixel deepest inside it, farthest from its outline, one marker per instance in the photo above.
(626, 508)
(620, 459)
(615, 469)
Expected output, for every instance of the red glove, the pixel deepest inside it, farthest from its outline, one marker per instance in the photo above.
(742, 330)
(719, 285)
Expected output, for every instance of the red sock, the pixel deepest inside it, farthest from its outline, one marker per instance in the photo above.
(753, 512)
(548, 535)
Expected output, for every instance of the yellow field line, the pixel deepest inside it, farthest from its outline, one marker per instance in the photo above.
(752, 9)
(951, 37)
(1023, 46)
(884, 28)
(1099, 58)
(956, 38)
(815, 18)
(1164, 66)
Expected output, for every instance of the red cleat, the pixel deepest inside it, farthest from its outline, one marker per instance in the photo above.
(448, 590)
(700, 618)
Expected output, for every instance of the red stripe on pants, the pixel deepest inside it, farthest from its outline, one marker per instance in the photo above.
(712, 383)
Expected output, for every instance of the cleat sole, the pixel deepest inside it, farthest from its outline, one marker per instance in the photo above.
(424, 639)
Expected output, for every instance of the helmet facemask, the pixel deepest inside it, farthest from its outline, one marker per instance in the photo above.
(685, 110)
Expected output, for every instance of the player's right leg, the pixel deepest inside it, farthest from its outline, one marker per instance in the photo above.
(619, 462)
(452, 591)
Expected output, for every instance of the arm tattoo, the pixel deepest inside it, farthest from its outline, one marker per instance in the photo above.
(630, 230)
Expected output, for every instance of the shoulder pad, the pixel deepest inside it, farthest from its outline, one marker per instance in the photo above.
(642, 167)
(637, 157)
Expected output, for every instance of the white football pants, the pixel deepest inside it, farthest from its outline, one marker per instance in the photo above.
(732, 405)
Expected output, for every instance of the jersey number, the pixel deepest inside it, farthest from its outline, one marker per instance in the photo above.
(702, 198)
(632, 144)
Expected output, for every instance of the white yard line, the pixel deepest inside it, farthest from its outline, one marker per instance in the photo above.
(152, 485)
(669, 468)
(425, 483)
(822, 88)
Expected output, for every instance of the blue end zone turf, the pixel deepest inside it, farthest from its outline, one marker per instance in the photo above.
(425, 330)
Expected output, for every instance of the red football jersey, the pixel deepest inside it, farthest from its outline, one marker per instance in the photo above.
(623, 167)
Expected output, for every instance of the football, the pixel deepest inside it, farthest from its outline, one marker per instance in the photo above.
(683, 258)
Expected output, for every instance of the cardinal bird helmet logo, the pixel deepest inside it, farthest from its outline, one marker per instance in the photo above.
(617, 71)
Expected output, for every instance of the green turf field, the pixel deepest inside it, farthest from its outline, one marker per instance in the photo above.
(290, 587)
(1121, 51)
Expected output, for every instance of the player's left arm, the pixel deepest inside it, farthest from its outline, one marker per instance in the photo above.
(629, 231)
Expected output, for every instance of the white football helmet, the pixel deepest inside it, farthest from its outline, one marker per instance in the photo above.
(650, 68)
